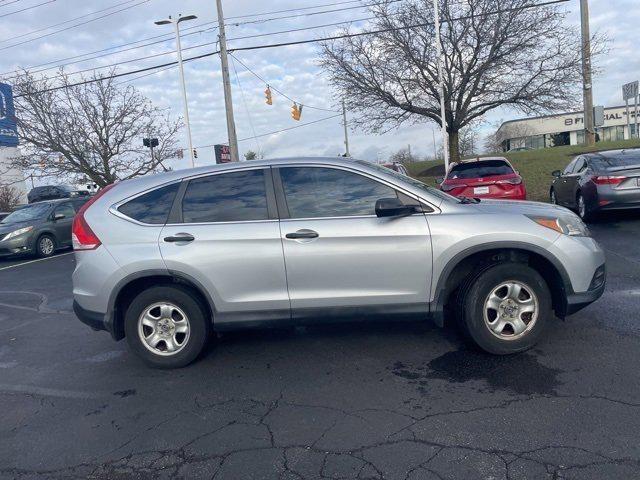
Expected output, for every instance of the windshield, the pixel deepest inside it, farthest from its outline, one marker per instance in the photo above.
(412, 181)
(488, 168)
(27, 214)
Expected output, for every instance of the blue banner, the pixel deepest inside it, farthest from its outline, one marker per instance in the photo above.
(8, 129)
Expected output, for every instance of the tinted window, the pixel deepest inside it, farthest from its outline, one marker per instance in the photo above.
(487, 168)
(326, 192)
(581, 165)
(227, 197)
(569, 168)
(152, 207)
(626, 159)
(65, 209)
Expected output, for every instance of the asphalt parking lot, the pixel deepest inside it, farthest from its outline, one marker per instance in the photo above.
(392, 401)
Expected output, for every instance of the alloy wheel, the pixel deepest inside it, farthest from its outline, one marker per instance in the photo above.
(511, 310)
(46, 246)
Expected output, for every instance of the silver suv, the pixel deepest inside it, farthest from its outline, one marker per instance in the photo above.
(164, 260)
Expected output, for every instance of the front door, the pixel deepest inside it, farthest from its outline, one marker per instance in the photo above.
(63, 225)
(341, 259)
(224, 234)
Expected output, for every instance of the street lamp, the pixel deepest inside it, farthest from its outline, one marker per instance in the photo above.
(176, 24)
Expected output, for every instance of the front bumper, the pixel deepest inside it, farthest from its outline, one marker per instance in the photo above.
(15, 246)
(577, 301)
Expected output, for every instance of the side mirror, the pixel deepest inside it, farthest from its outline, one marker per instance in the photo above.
(393, 207)
(439, 180)
(58, 216)
(556, 173)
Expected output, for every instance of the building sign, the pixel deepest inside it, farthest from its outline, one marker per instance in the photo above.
(223, 153)
(8, 129)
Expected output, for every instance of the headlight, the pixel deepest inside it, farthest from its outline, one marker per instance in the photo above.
(17, 233)
(568, 225)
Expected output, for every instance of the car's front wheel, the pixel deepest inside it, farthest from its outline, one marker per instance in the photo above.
(167, 327)
(506, 307)
(45, 246)
(552, 197)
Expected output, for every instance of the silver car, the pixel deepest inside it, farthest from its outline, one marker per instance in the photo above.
(164, 260)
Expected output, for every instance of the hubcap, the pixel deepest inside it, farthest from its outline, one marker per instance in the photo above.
(164, 328)
(581, 206)
(511, 310)
(46, 246)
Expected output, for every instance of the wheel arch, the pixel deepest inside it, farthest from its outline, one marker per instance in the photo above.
(471, 259)
(130, 286)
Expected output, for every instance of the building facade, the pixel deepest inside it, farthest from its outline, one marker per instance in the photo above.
(564, 129)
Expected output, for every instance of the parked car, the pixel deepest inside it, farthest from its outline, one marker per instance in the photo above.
(397, 167)
(492, 177)
(52, 192)
(39, 228)
(165, 259)
(597, 182)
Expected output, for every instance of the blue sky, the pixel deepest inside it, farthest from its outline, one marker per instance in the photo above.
(291, 69)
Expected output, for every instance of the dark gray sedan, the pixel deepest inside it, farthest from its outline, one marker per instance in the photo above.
(596, 182)
(40, 228)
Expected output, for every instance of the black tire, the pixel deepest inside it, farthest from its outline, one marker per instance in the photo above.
(476, 290)
(46, 245)
(583, 210)
(198, 319)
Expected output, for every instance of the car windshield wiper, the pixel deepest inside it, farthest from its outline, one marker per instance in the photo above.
(467, 200)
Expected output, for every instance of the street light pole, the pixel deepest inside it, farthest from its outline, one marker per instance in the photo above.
(443, 113)
(589, 123)
(176, 24)
(228, 102)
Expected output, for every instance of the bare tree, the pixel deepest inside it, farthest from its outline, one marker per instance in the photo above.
(94, 129)
(404, 155)
(9, 198)
(496, 53)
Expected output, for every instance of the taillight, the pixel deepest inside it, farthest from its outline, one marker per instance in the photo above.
(511, 181)
(608, 180)
(82, 236)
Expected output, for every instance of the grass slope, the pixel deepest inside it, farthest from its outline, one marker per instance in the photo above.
(535, 166)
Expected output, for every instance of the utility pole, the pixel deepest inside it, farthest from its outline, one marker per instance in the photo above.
(589, 127)
(346, 135)
(228, 102)
(443, 113)
(176, 24)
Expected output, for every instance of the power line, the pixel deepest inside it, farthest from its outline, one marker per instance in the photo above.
(244, 101)
(299, 42)
(293, 9)
(26, 8)
(9, 3)
(72, 26)
(276, 90)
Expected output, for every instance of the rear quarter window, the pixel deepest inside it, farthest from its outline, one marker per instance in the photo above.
(152, 207)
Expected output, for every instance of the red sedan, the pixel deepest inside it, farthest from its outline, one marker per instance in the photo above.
(484, 178)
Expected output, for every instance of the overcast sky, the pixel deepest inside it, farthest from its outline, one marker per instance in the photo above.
(292, 69)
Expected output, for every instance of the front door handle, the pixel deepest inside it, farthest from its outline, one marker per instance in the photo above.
(302, 234)
(180, 237)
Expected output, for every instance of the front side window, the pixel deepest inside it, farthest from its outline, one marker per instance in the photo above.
(66, 210)
(227, 197)
(569, 168)
(152, 207)
(313, 192)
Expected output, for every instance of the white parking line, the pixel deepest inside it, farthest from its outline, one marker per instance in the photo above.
(34, 261)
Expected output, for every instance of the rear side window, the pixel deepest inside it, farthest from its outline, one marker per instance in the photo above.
(226, 197)
(313, 192)
(152, 207)
(488, 168)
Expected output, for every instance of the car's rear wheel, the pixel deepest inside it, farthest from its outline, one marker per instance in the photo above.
(505, 307)
(167, 327)
(45, 246)
(583, 210)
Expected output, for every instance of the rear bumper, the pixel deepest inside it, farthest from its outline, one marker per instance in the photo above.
(97, 321)
(609, 198)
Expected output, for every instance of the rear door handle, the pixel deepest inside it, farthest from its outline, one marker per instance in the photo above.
(180, 237)
(302, 234)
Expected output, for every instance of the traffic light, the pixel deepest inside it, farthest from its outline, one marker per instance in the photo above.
(195, 153)
(267, 95)
(296, 111)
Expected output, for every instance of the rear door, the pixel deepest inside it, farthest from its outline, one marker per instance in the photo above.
(342, 260)
(62, 226)
(223, 232)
